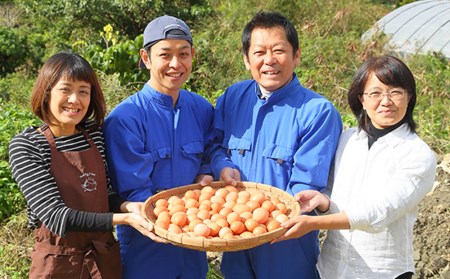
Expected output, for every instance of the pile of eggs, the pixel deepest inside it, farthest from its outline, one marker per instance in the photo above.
(225, 212)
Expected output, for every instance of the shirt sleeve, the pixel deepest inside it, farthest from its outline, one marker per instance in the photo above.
(406, 188)
(130, 166)
(41, 193)
(314, 157)
(219, 158)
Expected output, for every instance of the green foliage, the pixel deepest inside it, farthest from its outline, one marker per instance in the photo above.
(15, 245)
(13, 119)
(12, 51)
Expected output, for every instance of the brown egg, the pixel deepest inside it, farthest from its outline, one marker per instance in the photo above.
(222, 223)
(193, 223)
(174, 229)
(243, 199)
(192, 210)
(225, 211)
(281, 218)
(201, 230)
(241, 208)
(217, 216)
(233, 216)
(222, 192)
(251, 224)
(232, 196)
(252, 205)
(162, 224)
(203, 214)
(259, 197)
(231, 188)
(260, 215)
(223, 231)
(237, 227)
(208, 189)
(157, 210)
(217, 199)
(259, 230)
(190, 202)
(273, 225)
(268, 205)
(191, 194)
(214, 229)
(281, 207)
(161, 202)
(177, 208)
(179, 219)
(246, 215)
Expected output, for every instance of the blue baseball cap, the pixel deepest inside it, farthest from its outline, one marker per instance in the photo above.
(165, 27)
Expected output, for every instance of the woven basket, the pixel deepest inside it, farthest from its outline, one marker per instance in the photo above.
(217, 244)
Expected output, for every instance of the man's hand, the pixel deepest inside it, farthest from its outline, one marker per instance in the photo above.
(230, 176)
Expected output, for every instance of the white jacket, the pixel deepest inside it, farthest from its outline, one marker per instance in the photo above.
(379, 189)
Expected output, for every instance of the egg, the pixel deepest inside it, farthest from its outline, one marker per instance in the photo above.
(222, 223)
(252, 205)
(259, 230)
(190, 202)
(232, 196)
(223, 231)
(281, 207)
(222, 192)
(157, 210)
(177, 208)
(273, 225)
(237, 227)
(251, 224)
(233, 216)
(281, 218)
(208, 189)
(240, 208)
(214, 229)
(268, 205)
(217, 199)
(193, 223)
(162, 224)
(217, 216)
(191, 194)
(201, 230)
(260, 215)
(203, 214)
(174, 229)
(259, 197)
(179, 219)
(231, 188)
(225, 211)
(161, 202)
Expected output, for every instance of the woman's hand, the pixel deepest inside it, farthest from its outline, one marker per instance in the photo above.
(310, 199)
(296, 227)
(134, 218)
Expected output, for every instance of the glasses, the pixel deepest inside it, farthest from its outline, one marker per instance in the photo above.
(394, 94)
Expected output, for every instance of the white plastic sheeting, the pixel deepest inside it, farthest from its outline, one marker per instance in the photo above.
(418, 27)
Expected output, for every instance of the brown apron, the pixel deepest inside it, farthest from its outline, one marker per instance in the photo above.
(81, 180)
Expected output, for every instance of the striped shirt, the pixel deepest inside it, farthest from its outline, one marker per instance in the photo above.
(30, 160)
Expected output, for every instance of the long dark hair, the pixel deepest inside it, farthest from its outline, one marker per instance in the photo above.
(390, 71)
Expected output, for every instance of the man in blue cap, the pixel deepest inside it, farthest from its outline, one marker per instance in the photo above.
(156, 139)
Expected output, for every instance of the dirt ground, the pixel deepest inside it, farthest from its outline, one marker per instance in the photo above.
(431, 231)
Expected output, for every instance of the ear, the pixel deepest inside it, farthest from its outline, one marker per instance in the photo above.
(192, 51)
(361, 99)
(297, 57)
(246, 62)
(145, 58)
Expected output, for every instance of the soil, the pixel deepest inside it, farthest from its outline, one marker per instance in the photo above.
(431, 230)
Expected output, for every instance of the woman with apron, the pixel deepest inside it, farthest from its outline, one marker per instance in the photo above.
(61, 171)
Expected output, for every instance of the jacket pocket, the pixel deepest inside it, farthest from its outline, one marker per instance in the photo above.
(193, 149)
(280, 154)
(239, 145)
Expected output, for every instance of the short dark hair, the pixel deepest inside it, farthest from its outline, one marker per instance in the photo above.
(390, 71)
(73, 67)
(269, 20)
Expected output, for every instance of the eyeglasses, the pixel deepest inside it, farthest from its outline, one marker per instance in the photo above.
(395, 95)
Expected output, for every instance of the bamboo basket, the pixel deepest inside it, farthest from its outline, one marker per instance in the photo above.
(217, 244)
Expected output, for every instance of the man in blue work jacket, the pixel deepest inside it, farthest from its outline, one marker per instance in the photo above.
(274, 131)
(159, 138)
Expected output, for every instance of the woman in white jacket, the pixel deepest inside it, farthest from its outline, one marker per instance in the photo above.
(382, 171)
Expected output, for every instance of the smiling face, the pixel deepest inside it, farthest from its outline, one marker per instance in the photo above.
(385, 112)
(271, 58)
(68, 104)
(170, 64)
